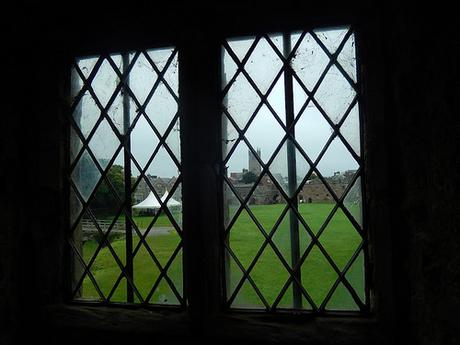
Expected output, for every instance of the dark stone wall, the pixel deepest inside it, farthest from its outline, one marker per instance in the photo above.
(32, 158)
(420, 88)
(422, 95)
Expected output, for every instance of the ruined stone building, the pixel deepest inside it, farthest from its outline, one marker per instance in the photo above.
(315, 190)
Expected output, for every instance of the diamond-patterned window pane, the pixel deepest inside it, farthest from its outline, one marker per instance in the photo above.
(171, 75)
(276, 101)
(350, 130)
(245, 239)
(86, 65)
(280, 167)
(173, 140)
(116, 112)
(340, 239)
(162, 108)
(76, 145)
(331, 38)
(355, 276)
(143, 142)
(125, 159)
(106, 80)
(86, 120)
(347, 58)
(353, 201)
(230, 68)
(145, 76)
(232, 204)
(234, 274)
(309, 60)
(315, 203)
(243, 169)
(104, 143)
(230, 136)
(85, 175)
(317, 274)
(335, 94)
(240, 47)
(341, 300)
(267, 267)
(292, 204)
(338, 165)
(263, 65)
(241, 101)
(287, 300)
(75, 207)
(164, 295)
(160, 57)
(247, 298)
(313, 131)
(282, 238)
(256, 131)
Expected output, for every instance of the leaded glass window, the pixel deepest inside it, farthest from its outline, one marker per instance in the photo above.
(294, 235)
(125, 178)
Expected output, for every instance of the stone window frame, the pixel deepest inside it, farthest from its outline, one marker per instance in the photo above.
(203, 107)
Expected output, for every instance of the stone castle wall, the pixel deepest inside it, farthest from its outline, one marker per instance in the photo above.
(312, 192)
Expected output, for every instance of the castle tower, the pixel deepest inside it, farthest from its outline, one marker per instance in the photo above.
(253, 164)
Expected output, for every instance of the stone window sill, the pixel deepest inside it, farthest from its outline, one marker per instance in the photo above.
(113, 325)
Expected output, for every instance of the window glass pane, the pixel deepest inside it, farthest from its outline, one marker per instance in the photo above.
(125, 172)
(292, 203)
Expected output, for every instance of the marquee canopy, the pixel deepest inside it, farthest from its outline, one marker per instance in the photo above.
(171, 202)
(151, 202)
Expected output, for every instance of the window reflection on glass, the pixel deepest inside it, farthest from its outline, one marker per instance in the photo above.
(125, 176)
(292, 154)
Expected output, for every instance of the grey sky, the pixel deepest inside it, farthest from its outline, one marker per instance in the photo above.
(312, 130)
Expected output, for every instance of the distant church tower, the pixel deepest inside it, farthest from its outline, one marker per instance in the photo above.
(254, 165)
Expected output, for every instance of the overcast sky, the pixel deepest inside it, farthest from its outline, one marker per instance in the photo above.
(265, 133)
(312, 130)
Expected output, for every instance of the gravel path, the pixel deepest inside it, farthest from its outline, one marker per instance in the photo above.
(154, 231)
(158, 230)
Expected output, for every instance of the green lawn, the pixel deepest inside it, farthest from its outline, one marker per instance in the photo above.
(339, 239)
(144, 221)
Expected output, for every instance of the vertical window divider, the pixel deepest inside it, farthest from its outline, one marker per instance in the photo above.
(200, 109)
(224, 211)
(127, 177)
(292, 169)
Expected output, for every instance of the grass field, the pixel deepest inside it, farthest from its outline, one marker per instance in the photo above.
(339, 239)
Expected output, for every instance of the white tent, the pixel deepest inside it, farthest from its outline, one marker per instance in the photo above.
(171, 202)
(151, 202)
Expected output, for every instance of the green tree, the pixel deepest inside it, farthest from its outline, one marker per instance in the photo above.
(105, 202)
(249, 177)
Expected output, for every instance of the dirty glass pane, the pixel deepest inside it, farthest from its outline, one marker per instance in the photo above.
(126, 201)
(241, 101)
(335, 94)
(263, 65)
(310, 54)
(292, 170)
